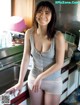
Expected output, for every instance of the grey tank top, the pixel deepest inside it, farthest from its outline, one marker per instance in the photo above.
(42, 61)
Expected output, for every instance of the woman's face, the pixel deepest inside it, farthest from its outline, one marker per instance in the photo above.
(43, 16)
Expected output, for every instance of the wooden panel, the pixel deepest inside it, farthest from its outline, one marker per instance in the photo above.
(25, 9)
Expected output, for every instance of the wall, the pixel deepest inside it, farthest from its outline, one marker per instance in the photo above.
(67, 18)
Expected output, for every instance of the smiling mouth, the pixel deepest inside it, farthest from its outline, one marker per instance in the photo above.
(42, 20)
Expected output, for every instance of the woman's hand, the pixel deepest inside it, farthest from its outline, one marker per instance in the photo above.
(14, 89)
(37, 84)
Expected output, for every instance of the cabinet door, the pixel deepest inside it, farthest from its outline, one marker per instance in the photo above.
(64, 75)
(72, 80)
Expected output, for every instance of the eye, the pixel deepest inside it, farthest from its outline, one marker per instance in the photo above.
(47, 12)
(39, 11)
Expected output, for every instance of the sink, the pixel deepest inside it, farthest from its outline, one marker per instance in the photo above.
(9, 77)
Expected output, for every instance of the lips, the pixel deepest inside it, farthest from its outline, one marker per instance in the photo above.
(42, 20)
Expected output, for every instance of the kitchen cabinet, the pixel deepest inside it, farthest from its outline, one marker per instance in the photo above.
(64, 74)
(72, 79)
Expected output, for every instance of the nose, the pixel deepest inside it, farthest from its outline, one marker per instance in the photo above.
(42, 14)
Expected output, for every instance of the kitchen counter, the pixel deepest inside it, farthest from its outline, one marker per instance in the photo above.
(4, 52)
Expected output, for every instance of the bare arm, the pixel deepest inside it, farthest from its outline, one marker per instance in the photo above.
(60, 52)
(26, 57)
(24, 65)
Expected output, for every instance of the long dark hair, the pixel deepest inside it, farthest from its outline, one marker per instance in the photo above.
(51, 30)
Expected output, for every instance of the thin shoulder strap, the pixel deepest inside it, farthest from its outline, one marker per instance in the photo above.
(55, 42)
(32, 42)
(55, 47)
(31, 37)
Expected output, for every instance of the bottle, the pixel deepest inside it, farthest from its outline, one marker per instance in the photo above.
(3, 38)
(8, 39)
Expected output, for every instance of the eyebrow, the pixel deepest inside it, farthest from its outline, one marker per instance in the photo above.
(46, 8)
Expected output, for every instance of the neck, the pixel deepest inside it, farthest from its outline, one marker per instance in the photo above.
(42, 31)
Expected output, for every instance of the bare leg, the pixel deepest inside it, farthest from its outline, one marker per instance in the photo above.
(36, 98)
(50, 99)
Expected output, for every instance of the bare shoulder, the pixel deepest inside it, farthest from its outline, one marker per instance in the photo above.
(59, 36)
(29, 32)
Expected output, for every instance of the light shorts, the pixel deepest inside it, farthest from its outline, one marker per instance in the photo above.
(50, 87)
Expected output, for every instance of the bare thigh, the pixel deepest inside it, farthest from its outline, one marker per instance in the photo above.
(51, 99)
(36, 98)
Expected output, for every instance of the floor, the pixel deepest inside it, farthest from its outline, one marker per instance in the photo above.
(73, 99)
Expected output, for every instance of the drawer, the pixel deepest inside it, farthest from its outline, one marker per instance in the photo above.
(70, 90)
(64, 75)
(63, 96)
(65, 85)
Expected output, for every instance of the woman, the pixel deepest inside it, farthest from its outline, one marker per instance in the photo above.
(47, 47)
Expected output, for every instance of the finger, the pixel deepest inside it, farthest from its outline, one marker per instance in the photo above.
(35, 88)
(8, 90)
(11, 90)
(19, 91)
(14, 94)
